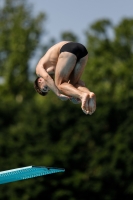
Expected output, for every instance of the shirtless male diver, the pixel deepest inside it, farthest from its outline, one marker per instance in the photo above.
(60, 70)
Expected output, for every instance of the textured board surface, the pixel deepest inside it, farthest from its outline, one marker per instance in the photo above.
(26, 173)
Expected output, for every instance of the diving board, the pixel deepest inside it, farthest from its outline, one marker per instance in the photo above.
(26, 173)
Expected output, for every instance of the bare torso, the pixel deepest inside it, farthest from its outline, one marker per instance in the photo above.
(50, 59)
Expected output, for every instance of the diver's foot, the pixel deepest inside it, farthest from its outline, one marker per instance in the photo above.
(84, 103)
(92, 103)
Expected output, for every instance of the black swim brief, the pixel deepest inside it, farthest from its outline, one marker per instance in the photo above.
(76, 48)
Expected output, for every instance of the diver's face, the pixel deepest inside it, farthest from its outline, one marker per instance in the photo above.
(42, 85)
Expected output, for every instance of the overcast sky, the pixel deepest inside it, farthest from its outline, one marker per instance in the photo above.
(77, 15)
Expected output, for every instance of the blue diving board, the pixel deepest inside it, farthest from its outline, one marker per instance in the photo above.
(26, 173)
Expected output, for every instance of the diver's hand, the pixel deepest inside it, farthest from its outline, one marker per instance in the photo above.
(63, 97)
(74, 100)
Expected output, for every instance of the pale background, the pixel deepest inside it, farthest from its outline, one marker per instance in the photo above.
(77, 15)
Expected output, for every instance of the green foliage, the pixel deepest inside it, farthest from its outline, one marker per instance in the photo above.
(124, 39)
(96, 150)
(19, 37)
(109, 75)
(69, 36)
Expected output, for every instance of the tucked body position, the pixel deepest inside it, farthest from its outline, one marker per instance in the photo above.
(60, 70)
